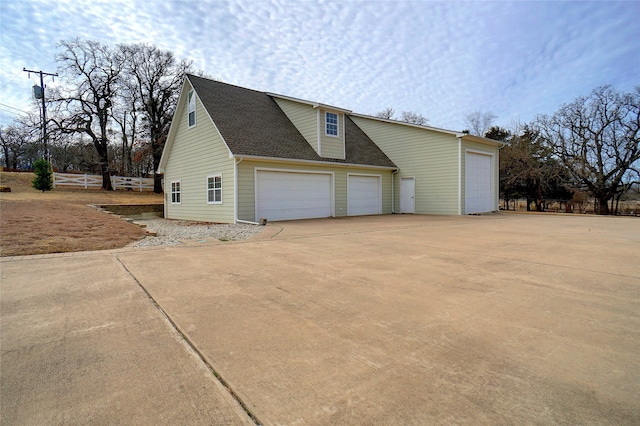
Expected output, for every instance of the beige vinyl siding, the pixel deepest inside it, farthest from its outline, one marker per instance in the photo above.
(304, 117)
(428, 156)
(310, 122)
(478, 147)
(331, 146)
(246, 184)
(196, 153)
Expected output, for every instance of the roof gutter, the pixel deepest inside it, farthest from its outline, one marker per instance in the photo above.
(314, 162)
(472, 138)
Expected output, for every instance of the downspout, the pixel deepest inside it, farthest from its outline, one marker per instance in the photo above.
(246, 221)
(235, 193)
(236, 161)
(393, 197)
(498, 166)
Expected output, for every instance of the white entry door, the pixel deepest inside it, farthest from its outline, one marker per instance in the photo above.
(407, 195)
(289, 195)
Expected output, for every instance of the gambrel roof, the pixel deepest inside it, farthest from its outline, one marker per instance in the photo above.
(252, 124)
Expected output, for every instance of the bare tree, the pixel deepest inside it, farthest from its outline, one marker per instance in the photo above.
(597, 137)
(73, 152)
(386, 113)
(479, 122)
(21, 142)
(406, 116)
(157, 77)
(18, 140)
(92, 74)
(127, 116)
(413, 118)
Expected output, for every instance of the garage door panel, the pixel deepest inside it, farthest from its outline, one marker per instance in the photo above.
(364, 195)
(290, 195)
(479, 192)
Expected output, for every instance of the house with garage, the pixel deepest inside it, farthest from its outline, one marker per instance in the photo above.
(238, 155)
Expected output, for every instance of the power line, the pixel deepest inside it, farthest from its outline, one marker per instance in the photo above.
(10, 81)
(17, 109)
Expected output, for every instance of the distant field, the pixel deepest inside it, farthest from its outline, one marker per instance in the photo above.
(625, 208)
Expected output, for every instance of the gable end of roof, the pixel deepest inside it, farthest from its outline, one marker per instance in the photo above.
(252, 124)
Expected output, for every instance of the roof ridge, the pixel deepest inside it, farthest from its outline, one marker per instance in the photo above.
(213, 80)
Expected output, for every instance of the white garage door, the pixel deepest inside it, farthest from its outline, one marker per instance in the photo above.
(289, 195)
(364, 195)
(479, 192)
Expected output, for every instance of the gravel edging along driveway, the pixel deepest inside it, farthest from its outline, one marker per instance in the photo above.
(169, 232)
(173, 232)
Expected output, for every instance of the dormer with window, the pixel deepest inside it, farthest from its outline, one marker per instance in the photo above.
(331, 133)
(321, 125)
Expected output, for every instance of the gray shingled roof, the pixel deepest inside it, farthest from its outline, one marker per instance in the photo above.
(252, 123)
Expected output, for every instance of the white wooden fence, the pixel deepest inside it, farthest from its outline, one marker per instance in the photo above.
(95, 181)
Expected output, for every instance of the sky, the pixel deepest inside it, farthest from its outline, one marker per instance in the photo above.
(441, 59)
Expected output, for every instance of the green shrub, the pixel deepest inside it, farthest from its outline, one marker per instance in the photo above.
(42, 181)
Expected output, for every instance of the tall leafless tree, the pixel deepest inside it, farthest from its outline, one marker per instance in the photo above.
(597, 137)
(157, 77)
(91, 72)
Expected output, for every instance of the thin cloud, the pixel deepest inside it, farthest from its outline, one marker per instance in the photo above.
(440, 59)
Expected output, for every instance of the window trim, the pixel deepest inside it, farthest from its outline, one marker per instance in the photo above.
(214, 189)
(327, 124)
(191, 108)
(178, 192)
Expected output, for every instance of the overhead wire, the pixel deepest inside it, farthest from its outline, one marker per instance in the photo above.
(14, 108)
(10, 81)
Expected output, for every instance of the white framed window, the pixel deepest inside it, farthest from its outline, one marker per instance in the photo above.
(191, 98)
(331, 124)
(214, 189)
(176, 194)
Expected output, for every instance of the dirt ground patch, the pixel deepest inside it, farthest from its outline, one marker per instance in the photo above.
(33, 222)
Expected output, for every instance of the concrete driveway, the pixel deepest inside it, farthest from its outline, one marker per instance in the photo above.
(497, 319)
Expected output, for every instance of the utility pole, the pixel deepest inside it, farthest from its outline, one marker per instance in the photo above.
(40, 95)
